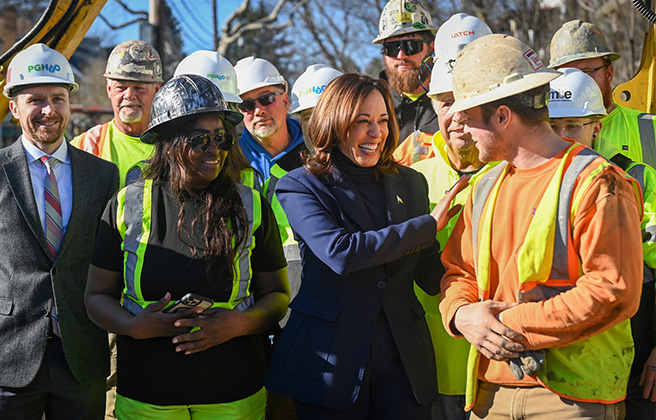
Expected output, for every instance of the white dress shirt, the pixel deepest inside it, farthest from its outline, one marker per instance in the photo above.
(63, 175)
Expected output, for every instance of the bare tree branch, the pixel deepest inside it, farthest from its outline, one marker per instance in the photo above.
(122, 25)
(232, 33)
(134, 12)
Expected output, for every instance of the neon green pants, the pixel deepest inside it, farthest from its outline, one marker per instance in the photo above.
(250, 408)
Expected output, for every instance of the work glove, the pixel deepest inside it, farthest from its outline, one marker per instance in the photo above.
(528, 362)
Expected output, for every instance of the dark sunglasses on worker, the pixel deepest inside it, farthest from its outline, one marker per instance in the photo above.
(409, 47)
(264, 100)
(200, 142)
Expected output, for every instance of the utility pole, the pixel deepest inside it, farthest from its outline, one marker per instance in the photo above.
(155, 19)
(215, 25)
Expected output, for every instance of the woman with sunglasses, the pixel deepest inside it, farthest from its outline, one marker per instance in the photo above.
(356, 345)
(189, 227)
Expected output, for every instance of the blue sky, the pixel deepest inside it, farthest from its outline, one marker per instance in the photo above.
(195, 17)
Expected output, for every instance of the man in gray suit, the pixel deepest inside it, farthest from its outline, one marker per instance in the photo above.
(53, 359)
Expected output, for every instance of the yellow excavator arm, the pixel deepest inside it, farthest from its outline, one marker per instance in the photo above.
(62, 27)
(640, 92)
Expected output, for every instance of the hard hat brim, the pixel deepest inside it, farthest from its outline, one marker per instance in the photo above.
(401, 31)
(151, 136)
(526, 83)
(41, 80)
(573, 113)
(264, 84)
(132, 79)
(612, 56)
(230, 97)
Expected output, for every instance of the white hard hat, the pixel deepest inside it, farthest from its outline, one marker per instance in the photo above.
(254, 73)
(39, 65)
(494, 67)
(401, 17)
(309, 86)
(215, 67)
(450, 39)
(575, 94)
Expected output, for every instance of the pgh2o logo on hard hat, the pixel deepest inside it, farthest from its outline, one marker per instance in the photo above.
(44, 67)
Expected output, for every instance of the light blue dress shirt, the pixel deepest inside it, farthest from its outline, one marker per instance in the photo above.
(62, 173)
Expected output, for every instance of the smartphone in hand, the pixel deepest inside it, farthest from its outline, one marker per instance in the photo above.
(189, 301)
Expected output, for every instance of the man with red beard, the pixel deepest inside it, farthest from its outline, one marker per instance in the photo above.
(53, 359)
(134, 75)
(406, 34)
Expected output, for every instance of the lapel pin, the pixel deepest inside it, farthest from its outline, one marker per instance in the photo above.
(398, 200)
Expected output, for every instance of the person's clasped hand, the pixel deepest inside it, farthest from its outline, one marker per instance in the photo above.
(528, 363)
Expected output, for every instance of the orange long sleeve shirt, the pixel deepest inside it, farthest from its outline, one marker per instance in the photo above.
(606, 235)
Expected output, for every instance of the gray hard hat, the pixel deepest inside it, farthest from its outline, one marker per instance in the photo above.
(185, 96)
(578, 40)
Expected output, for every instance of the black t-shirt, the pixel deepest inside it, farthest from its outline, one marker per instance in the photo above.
(150, 370)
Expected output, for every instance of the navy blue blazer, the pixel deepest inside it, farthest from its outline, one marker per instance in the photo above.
(350, 272)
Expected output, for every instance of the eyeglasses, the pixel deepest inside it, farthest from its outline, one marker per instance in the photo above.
(408, 46)
(200, 142)
(264, 100)
(569, 129)
(590, 71)
(425, 70)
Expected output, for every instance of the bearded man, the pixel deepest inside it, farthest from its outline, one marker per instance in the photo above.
(406, 33)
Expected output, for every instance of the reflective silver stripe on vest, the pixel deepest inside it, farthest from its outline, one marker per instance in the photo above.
(649, 233)
(647, 138)
(638, 173)
(133, 219)
(132, 214)
(417, 147)
(483, 190)
(560, 266)
(244, 254)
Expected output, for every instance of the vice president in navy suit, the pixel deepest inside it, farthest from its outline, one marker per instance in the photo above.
(357, 345)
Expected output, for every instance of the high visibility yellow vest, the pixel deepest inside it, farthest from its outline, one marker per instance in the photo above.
(107, 142)
(450, 352)
(595, 369)
(134, 221)
(631, 132)
(289, 244)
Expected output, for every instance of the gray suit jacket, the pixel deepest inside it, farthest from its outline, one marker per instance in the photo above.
(26, 270)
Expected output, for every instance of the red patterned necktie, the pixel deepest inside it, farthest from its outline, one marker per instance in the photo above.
(54, 227)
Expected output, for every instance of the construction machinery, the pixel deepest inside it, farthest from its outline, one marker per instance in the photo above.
(640, 92)
(62, 26)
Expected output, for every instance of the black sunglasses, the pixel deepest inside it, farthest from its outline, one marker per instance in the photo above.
(264, 100)
(409, 47)
(200, 142)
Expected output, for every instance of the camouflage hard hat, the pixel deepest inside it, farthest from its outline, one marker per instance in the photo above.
(185, 96)
(135, 61)
(578, 40)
